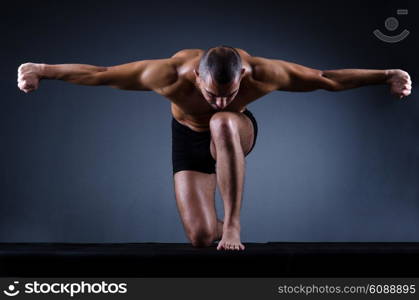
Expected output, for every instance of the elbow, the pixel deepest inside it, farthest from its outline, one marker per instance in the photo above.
(330, 84)
(334, 87)
(98, 76)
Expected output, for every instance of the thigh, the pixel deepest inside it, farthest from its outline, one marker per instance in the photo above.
(195, 199)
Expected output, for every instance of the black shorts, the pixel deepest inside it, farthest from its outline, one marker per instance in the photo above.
(191, 149)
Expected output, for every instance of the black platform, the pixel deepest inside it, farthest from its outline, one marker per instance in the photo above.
(182, 260)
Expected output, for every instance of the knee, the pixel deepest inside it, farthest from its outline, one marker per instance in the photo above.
(223, 125)
(202, 237)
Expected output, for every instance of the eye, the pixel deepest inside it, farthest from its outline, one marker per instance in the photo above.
(214, 96)
(210, 94)
(233, 93)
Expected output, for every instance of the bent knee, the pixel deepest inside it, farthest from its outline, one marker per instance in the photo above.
(224, 123)
(202, 238)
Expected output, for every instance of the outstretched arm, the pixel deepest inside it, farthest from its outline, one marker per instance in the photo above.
(142, 75)
(282, 75)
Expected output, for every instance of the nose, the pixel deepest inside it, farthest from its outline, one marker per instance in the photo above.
(221, 101)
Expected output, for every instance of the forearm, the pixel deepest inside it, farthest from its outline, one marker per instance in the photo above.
(287, 76)
(74, 73)
(344, 79)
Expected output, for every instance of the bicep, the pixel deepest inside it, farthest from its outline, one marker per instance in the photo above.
(288, 76)
(145, 75)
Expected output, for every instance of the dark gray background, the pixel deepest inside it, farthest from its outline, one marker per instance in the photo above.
(92, 164)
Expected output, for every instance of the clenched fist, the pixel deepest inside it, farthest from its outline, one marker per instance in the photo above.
(400, 83)
(28, 76)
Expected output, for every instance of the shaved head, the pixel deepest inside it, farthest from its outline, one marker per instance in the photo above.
(222, 63)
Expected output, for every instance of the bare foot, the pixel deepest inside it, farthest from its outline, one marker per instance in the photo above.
(230, 239)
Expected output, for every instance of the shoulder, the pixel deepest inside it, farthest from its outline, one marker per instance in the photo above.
(164, 75)
(259, 68)
(265, 69)
(185, 60)
(187, 53)
(171, 68)
(244, 54)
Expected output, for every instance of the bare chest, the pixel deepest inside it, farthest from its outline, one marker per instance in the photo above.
(190, 108)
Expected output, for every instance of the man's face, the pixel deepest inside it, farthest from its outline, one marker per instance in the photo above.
(217, 95)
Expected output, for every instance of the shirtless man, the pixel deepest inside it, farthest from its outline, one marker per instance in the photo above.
(212, 129)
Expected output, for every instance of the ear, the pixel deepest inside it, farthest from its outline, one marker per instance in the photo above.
(242, 72)
(196, 72)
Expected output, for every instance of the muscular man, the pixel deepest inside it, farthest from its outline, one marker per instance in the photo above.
(211, 127)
